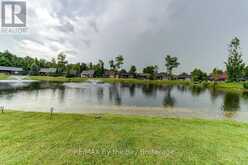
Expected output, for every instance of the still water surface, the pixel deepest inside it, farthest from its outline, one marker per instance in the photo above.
(96, 97)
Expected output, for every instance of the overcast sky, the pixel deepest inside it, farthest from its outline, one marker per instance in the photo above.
(143, 31)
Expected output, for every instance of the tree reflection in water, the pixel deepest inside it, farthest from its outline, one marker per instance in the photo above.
(182, 88)
(132, 90)
(231, 104)
(197, 90)
(169, 101)
(100, 94)
(61, 93)
(114, 94)
(149, 90)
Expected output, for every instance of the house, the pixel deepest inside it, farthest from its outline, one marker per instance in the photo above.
(183, 76)
(47, 71)
(88, 74)
(161, 76)
(10, 70)
(109, 74)
(143, 76)
(219, 77)
(126, 75)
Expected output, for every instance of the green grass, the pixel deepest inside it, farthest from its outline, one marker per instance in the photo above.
(56, 79)
(32, 138)
(228, 86)
(137, 81)
(3, 76)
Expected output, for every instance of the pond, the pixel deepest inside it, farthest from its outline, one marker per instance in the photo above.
(131, 99)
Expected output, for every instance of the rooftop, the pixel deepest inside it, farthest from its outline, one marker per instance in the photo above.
(13, 69)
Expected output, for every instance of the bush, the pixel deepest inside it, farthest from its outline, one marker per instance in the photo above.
(245, 85)
(199, 76)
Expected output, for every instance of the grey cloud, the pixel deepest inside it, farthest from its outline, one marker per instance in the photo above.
(93, 24)
(144, 31)
(66, 27)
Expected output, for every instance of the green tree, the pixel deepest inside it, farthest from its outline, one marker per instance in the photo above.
(119, 61)
(61, 63)
(133, 69)
(150, 70)
(245, 71)
(53, 63)
(171, 63)
(83, 66)
(34, 69)
(112, 65)
(216, 73)
(99, 68)
(234, 64)
(198, 75)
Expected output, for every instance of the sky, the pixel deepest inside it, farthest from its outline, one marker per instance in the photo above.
(143, 31)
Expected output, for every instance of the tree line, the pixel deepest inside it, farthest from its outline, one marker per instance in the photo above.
(236, 69)
(33, 65)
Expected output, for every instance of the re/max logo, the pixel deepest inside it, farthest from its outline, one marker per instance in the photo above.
(13, 13)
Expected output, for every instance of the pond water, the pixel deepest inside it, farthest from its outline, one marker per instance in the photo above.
(97, 97)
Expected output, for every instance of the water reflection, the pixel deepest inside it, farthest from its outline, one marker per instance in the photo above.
(169, 101)
(132, 90)
(114, 94)
(149, 90)
(77, 95)
(231, 102)
(197, 90)
(182, 88)
(100, 94)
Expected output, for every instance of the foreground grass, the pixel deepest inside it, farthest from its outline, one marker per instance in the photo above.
(3, 76)
(34, 138)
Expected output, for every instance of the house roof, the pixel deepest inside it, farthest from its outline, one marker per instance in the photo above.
(88, 72)
(143, 74)
(13, 69)
(184, 75)
(109, 72)
(48, 70)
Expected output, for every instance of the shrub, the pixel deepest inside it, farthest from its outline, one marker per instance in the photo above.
(245, 85)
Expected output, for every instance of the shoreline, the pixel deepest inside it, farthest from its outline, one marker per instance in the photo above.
(223, 86)
(157, 112)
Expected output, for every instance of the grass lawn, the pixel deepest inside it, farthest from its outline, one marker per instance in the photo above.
(56, 79)
(34, 138)
(3, 76)
(137, 81)
(228, 86)
(110, 80)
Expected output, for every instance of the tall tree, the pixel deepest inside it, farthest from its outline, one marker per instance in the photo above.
(151, 70)
(216, 73)
(171, 63)
(234, 64)
(99, 68)
(112, 65)
(119, 61)
(133, 69)
(34, 69)
(198, 75)
(61, 62)
(83, 66)
(101, 64)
